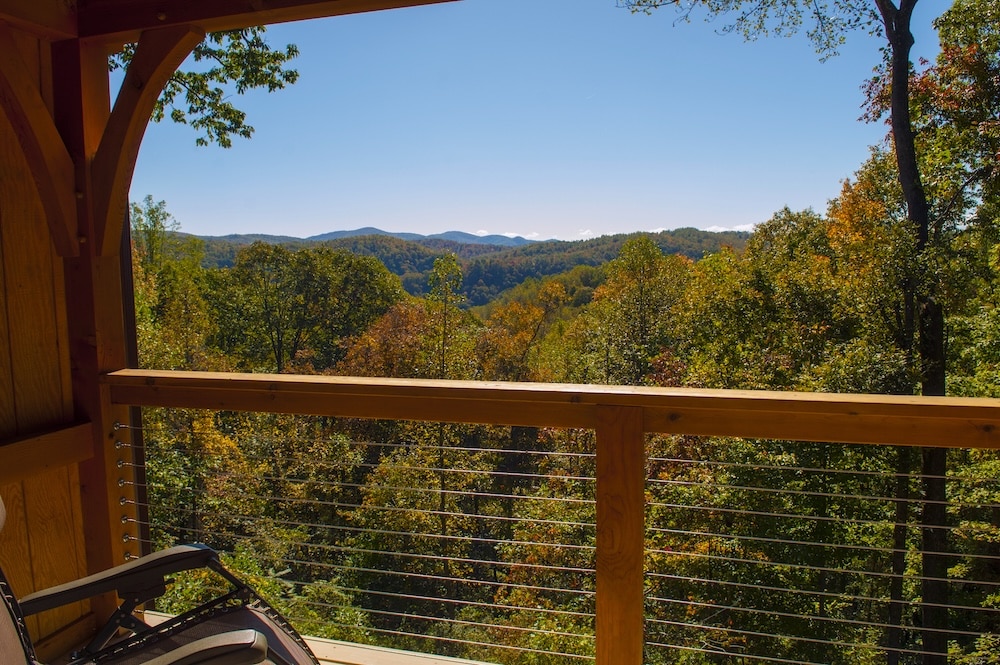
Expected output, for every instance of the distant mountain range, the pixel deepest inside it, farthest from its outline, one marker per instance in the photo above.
(452, 236)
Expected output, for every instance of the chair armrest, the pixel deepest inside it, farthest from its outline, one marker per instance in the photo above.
(145, 573)
(239, 647)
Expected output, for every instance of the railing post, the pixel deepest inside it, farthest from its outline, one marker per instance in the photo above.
(620, 535)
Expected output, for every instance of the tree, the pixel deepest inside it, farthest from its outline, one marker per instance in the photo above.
(393, 346)
(261, 308)
(642, 286)
(279, 308)
(445, 282)
(629, 320)
(344, 295)
(512, 331)
(172, 318)
(241, 59)
(830, 22)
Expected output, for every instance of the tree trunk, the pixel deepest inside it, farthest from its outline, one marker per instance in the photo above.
(930, 341)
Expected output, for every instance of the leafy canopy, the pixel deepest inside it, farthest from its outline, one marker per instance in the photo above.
(828, 20)
(239, 60)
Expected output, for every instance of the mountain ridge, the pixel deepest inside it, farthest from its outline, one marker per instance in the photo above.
(453, 236)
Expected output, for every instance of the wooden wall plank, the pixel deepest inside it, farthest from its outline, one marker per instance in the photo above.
(53, 548)
(37, 395)
(15, 554)
(31, 304)
(77, 534)
(8, 215)
(14, 551)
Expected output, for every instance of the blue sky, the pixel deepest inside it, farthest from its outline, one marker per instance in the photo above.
(546, 119)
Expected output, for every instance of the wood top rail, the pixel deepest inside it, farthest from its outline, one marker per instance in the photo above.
(872, 419)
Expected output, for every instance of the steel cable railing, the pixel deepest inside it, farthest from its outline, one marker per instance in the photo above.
(707, 548)
(466, 550)
(757, 553)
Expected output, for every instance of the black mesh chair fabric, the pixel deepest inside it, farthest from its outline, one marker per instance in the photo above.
(284, 645)
(242, 608)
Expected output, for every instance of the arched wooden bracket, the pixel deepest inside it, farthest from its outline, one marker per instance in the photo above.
(48, 160)
(157, 56)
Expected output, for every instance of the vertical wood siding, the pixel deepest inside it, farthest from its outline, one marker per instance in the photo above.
(42, 543)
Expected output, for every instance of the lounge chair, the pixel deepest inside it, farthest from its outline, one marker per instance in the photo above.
(237, 628)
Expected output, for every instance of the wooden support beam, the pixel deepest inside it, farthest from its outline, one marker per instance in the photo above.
(93, 287)
(621, 477)
(157, 56)
(31, 455)
(51, 20)
(52, 169)
(117, 22)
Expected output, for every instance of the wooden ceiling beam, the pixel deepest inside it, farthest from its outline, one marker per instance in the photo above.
(121, 21)
(45, 18)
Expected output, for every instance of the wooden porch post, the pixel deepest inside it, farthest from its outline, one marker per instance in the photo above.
(620, 535)
(94, 301)
(103, 144)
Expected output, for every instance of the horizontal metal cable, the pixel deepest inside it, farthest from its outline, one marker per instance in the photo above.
(555, 454)
(401, 573)
(437, 513)
(451, 559)
(401, 509)
(823, 495)
(482, 472)
(689, 579)
(792, 615)
(470, 449)
(462, 603)
(452, 640)
(487, 495)
(812, 568)
(396, 466)
(792, 516)
(382, 444)
(851, 472)
(463, 493)
(772, 541)
(782, 467)
(736, 654)
(442, 578)
(832, 546)
(455, 622)
(337, 483)
(781, 637)
(417, 534)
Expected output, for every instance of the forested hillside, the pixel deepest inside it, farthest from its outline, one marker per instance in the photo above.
(489, 269)
(848, 299)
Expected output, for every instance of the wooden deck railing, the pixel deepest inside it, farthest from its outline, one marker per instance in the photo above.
(621, 416)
